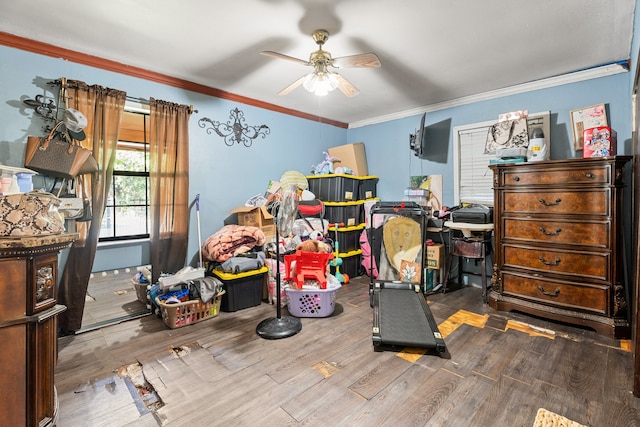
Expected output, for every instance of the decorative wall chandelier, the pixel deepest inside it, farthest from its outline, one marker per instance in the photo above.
(235, 130)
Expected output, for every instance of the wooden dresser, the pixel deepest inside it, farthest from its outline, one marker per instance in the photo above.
(558, 242)
(28, 310)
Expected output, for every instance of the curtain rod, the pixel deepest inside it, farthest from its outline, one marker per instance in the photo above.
(63, 85)
(146, 102)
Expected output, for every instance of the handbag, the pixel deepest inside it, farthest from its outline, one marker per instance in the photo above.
(71, 207)
(30, 214)
(87, 213)
(56, 157)
(507, 134)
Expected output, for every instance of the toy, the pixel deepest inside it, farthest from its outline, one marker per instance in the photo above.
(337, 261)
(313, 245)
(326, 166)
(343, 170)
(316, 235)
(303, 266)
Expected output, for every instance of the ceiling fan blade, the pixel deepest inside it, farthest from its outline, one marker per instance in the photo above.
(362, 60)
(292, 86)
(346, 87)
(285, 57)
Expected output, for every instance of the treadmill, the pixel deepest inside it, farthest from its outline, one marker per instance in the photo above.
(401, 316)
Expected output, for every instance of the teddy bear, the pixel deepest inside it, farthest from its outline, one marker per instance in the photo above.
(313, 245)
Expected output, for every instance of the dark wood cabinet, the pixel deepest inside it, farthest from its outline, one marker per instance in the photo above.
(28, 333)
(559, 250)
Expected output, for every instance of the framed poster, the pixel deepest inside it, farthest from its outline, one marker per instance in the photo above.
(585, 118)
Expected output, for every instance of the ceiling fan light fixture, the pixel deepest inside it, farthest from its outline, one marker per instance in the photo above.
(320, 83)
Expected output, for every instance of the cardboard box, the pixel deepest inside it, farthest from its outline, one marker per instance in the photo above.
(352, 156)
(255, 216)
(435, 256)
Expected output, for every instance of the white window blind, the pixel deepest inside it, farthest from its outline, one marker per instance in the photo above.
(473, 180)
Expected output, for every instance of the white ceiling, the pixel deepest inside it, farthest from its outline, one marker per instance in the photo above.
(432, 51)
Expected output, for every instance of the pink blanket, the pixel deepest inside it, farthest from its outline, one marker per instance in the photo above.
(231, 240)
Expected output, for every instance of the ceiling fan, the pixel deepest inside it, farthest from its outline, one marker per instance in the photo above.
(321, 80)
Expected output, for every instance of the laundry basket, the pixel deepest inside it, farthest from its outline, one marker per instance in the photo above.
(312, 302)
(189, 312)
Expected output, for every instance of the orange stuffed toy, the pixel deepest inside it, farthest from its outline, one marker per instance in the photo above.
(314, 246)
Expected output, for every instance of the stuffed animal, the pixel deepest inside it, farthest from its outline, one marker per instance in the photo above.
(312, 245)
(343, 170)
(326, 166)
(316, 235)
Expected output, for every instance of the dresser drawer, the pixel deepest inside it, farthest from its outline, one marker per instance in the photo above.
(582, 264)
(593, 298)
(594, 234)
(587, 202)
(584, 175)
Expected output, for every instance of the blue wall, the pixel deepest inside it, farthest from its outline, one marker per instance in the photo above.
(227, 176)
(387, 143)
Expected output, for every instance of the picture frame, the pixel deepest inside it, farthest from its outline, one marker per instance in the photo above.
(585, 118)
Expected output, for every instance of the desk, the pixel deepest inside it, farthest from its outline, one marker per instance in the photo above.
(475, 244)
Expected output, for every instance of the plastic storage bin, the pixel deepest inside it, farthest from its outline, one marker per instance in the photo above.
(351, 263)
(242, 290)
(189, 312)
(312, 302)
(348, 213)
(368, 187)
(334, 187)
(348, 237)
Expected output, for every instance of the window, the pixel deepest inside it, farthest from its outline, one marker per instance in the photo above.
(126, 214)
(473, 180)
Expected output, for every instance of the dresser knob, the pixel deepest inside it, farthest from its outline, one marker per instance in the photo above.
(555, 293)
(550, 263)
(516, 178)
(550, 233)
(544, 202)
(590, 175)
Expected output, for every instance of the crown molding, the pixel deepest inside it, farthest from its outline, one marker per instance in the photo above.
(578, 76)
(41, 48)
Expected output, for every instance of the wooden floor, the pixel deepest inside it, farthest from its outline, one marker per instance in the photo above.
(501, 368)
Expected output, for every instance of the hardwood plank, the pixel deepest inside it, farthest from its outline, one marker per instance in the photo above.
(508, 403)
(418, 407)
(565, 402)
(382, 405)
(465, 400)
(219, 372)
(270, 401)
(380, 377)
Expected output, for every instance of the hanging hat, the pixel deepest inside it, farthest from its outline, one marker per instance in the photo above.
(75, 122)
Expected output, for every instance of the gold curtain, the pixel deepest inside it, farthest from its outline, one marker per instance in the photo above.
(103, 108)
(169, 186)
